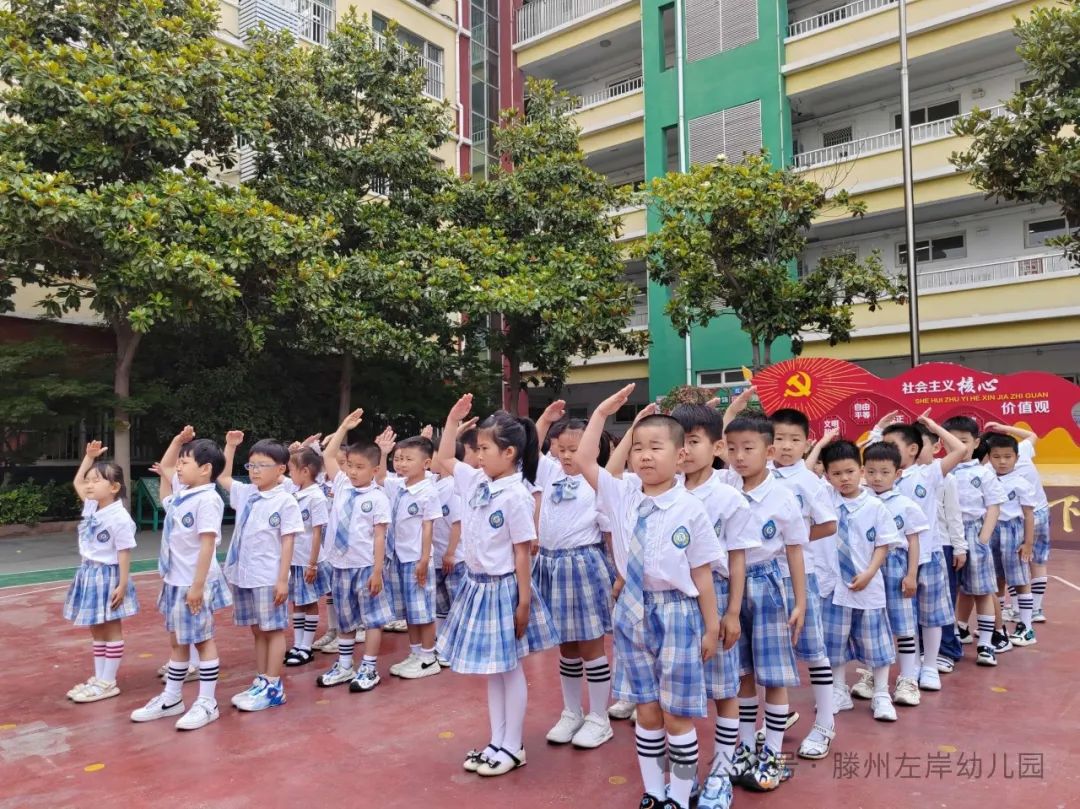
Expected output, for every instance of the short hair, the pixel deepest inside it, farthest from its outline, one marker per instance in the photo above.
(579, 425)
(962, 424)
(699, 417)
(204, 451)
(112, 472)
(459, 451)
(307, 458)
(1000, 441)
(674, 429)
(426, 447)
(752, 424)
(368, 451)
(274, 450)
(925, 434)
(842, 451)
(882, 451)
(793, 418)
(470, 438)
(908, 434)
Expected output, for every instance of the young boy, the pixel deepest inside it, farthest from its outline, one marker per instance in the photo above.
(356, 541)
(881, 469)
(666, 621)
(258, 563)
(856, 620)
(414, 508)
(450, 567)
(193, 587)
(980, 497)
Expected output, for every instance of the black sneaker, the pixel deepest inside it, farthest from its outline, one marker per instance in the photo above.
(771, 771)
(963, 634)
(986, 657)
(649, 802)
(1001, 642)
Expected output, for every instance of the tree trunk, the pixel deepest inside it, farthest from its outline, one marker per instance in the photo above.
(127, 344)
(767, 358)
(345, 386)
(514, 385)
(756, 348)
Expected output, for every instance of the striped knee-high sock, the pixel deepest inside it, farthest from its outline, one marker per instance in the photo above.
(114, 653)
(208, 677)
(1038, 590)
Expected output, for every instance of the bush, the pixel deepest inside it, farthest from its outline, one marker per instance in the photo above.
(61, 501)
(24, 504)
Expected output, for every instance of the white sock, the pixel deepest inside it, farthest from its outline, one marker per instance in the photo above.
(496, 709)
(931, 645)
(427, 655)
(174, 681)
(986, 630)
(370, 660)
(652, 760)
(881, 680)
(440, 622)
(571, 671)
(1027, 604)
(208, 677)
(193, 656)
(727, 735)
(775, 725)
(598, 679)
(1038, 590)
(821, 681)
(748, 708)
(297, 629)
(516, 695)
(345, 650)
(311, 626)
(114, 652)
(414, 649)
(331, 614)
(683, 764)
(99, 659)
(839, 677)
(907, 652)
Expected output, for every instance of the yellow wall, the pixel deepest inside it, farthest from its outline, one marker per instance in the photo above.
(606, 138)
(546, 45)
(608, 372)
(617, 110)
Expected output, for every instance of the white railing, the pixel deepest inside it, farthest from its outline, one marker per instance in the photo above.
(317, 19)
(887, 141)
(433, 83)
(618, 90)
(639, 318)
(1013, 269)
(541, 16)
(836, 15)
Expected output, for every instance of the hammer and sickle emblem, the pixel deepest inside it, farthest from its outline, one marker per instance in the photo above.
(798, 386)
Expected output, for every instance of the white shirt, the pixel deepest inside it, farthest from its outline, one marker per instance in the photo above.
(104, 532)
(907, 516)
(922, 483)
(728, 512)
(776, 519)
(489, 530)
(371, 507)
(950, 519)
(199, 511)
(314, 510)
(678, 535)
(450, 506)
(410, 508)
(1018, 493)
(977, 489)
(573, 522)
(273, 515)
(814, 497)
(1026, 467)
(869, 526)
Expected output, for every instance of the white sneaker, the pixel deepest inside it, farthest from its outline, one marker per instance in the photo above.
(243, 696)
(864, 689)
(442, 661)
(621, 709)
(418, 669)
(331, 648)
(883, 708)
(401, 665)
(201, 714)
(568, 725)
(361, 635)
(396, 626)
(157, 709)
(337, 675)
(1010, 614)
(329, 637)
(945, 665)
(594, 732)
(1038, 617)
(929, 679)
(842, 698)
(907, 692)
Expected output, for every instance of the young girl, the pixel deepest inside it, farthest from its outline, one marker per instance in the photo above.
(496, 618)
(572, 577)
(102, 594)
(309, 578)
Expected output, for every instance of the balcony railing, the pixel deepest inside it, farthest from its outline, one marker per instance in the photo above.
(1014, 269)
(541, 16)
(311, 20)
(836, 15)
(639, 318)
(317, 20)
(434, 71)
(618, 90)
(887, 141)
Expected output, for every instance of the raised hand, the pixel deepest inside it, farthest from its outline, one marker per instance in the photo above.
(461, 408)
(611, 404)
(234, 438)
(352, 421)
(95, 450)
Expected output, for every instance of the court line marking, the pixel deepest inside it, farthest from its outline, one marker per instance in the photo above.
(1066, 582)
(64, 586)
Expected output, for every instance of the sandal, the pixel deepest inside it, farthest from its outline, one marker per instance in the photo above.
(76, 689)
(491, 769)
(298, 657)
(816, 749)
(95, 691)
(475, 759)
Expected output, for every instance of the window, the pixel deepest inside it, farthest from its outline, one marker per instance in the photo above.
(671, 149)
(578, 412)
(938, 248)
(925, 115)
(836, 136)
(730, 376)
(430, 56)
(667, 38)
(627, 413)
(1037, 233)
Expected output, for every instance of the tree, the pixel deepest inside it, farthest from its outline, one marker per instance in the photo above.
(114, 117)
(547, 279)
(1032, 154)
(729, 237)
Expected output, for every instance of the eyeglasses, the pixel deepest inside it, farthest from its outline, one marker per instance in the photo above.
(251, 467)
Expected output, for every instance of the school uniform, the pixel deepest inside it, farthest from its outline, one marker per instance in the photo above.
(410, 508)
(728, 513)
(350, 548)
(446, 584)
(570, 571)
(103, 533)
(254, 557)
(190, 512)
(1008, 534)
(656, 542)
(1040, 553)
(479, 636)
(315, 512)
(951, 536)
(908, 519)
(977, 489)
(765, 648)
(922, 483)
(857, 622)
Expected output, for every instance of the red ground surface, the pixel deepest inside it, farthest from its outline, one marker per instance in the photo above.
(1008, 736)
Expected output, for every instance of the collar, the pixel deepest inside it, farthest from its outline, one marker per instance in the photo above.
(669, 498)
(966, 465)
(274, 492)
(789, 471)
(304, 494)
(495, 486)
(115, 505)
(762, 490)
(417, 487)
(369, 488)
(890, 494)
(186, 490)
(911, 470)
(853, 504)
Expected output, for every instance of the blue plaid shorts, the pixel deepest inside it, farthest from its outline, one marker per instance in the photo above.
(412, 602)
(901, 610)
(765, 648)
(1040, 554)
(446, 588)
(189, 628)
(355, 605)
(300, 592)
(479, 637)
(1005, 542)
(722, 669)
(87, 602)
(574, 584)
(977, 577)
(255, 606)
(811, 641)
(854, 634)
(933, 601)
(659, 659)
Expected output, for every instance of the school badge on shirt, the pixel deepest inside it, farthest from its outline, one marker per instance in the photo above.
(681, 538)
(367, 506)
(1012, 495)
(768, 530)
(187, 520)
(104, 536)
(920, 490)
(275, 519)
(414, 509)
(899, 523)
(496, 520)
(446, 511)
(976, 482)
(718, 526)
(305, 515)
(871, 535)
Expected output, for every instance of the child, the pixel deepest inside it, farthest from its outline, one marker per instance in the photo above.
(193, 586)
(1014, 535)
(571, 575)
(102, 594)
(446, 548)
(666, 620)
(881, 468)
(413, 510)
(497, 618)
(357, 553)
(308, 580)
(856, 621)
(258, 562)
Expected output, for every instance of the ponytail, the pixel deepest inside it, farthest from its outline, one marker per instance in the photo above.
(519, 434)
(530, 453)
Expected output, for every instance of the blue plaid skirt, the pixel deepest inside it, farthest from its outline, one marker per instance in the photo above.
(722, 669)
(300, 592)
(254, 606)
(933, 600)
(1040, 554)
(854, 634)
(810, 644)
(479, 637)
(1005, 542)
(901, 610)
(765, 648)
(576, 586)
(189, 628)
(87, 602)
(977, 577)
(446, 588)
(412, 602)
(354, 605)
